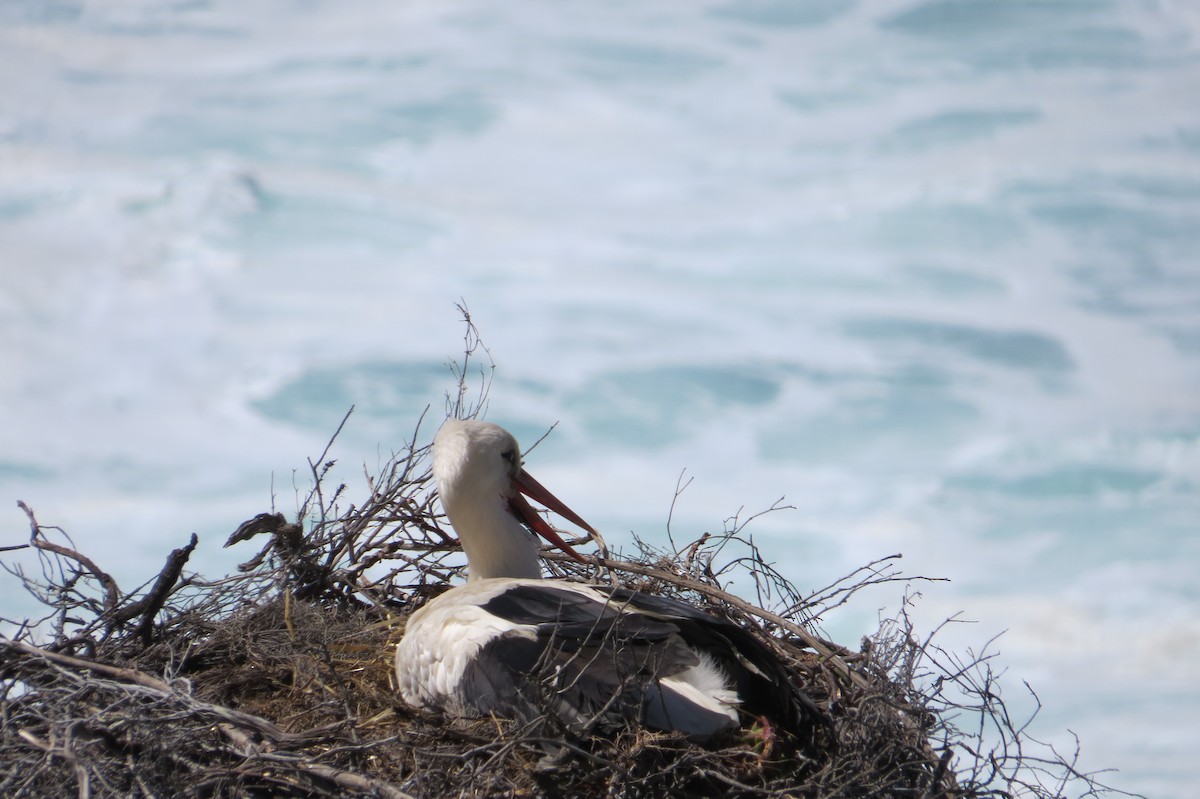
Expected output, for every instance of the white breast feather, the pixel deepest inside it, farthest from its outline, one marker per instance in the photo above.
(444, 637)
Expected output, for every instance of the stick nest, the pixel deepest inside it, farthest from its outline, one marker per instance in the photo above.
(278, 680)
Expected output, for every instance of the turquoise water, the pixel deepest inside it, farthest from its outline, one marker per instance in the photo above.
(927, 269)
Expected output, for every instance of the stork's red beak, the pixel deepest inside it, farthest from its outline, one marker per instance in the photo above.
(525, 512)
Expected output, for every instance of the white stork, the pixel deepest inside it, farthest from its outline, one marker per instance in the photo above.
(514, 644)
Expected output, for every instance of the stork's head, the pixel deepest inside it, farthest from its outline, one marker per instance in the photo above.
(478, 470)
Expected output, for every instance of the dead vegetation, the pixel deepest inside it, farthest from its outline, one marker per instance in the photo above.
(277, 681)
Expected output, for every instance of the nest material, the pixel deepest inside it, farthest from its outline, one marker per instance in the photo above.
(278, 681)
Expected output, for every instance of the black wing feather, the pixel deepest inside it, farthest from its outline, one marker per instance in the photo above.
(762, 682)
(590, 662)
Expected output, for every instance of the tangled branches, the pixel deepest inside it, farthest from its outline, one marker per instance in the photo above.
(278, 680)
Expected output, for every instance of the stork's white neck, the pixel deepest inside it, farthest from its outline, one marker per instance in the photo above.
(474, 493)
(497, 545)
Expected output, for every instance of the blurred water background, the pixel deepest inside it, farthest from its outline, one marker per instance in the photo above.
(927, 268)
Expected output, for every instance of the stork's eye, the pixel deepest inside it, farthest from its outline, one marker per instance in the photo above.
(508, 455)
